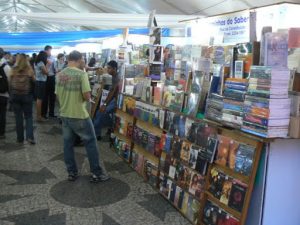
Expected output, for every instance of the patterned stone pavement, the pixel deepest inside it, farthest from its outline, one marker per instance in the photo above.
(34, 190)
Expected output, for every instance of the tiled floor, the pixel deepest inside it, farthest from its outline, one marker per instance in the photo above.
(34, 190)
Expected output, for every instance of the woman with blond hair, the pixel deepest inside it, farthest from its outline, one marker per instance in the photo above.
(21, 79)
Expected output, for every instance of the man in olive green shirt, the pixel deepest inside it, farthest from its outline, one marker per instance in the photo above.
(73, 92)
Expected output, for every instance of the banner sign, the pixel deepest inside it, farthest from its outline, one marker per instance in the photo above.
(231, 28)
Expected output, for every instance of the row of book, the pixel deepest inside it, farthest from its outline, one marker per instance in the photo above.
(227, 190)
(147, 113)
(188, 179)
(181, 199)
(147, 169)
(123, 126)
(214, 215)
(122, 148)
(147, 140)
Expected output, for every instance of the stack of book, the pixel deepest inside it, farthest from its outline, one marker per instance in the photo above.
(234, 95)
(214, 107)
(267, 106)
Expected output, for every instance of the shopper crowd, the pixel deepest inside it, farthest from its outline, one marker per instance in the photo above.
(44, 81)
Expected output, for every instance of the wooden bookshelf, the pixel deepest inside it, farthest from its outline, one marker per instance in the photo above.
(237, 135)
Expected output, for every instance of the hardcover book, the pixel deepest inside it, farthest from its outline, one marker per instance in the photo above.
(197, 185)
(216, 183)
(208, 153)
(244, 159)
(185, 152)
(194, 151)
(210, 213)
(223, 150)
(237, 195)
(226, 191)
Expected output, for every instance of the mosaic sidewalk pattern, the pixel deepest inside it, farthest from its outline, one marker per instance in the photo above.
(34, 190)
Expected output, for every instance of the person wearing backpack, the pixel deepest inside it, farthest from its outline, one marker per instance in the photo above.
(21, 79)
(4, 75)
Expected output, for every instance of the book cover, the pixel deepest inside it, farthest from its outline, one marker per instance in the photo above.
(150, 147)
(167, 159)
(181, 199)
(168, 144)
(140, 164)
(276, 49)
(162, 114)
(232, 153)
(172, 171)
(216, 181)
(193, 209)
(198, 77)
(185, 152)
(208, 153)
(163, 185)
(201, 165)
(210, 213)
(192, 134)
(172, 193)
(157, 149)
(168, 120)
(244, 159)
(144, 141)
(185, 203)
(223, 150)
(177, 101)
(237, 195)
(194, 150)
(203, 133)
(193, 103)
(181, 126)
(168, 95)
(197, 184)
(149, 95)
(157, 95)
(226, 191)
(177, 195)
(176, 148)
(156, 54)
(184, 176)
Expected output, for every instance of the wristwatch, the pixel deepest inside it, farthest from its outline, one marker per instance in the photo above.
(104, 104)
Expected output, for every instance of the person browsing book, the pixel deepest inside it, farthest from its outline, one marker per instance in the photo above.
(73, 92)
(103, 116)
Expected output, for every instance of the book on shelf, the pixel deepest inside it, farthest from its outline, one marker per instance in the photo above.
(213, 215)
(157, 95)
(197, 184)
(168, 95)
(197, 81)
(183, 176)
(208, 153)
(244, 159)
(193, 207)
(185, 152)
(276, 49)
(226, 190)
(177, 100)
(155, 71)
(151, 173)
(216, 181)
(201, 165)
(194, 151)
(193, 104)
(223, 150)
(237, 195)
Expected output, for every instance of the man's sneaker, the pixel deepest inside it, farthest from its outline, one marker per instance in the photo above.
(101, 178)
(72, 177)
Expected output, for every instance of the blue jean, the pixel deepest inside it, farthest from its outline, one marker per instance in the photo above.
(84, 129)
(104, 119)
(22, 106)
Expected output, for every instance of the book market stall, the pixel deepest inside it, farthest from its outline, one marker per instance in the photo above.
(213, 124)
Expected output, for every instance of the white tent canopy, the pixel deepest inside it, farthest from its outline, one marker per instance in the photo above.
(102, 20)
(30, 12)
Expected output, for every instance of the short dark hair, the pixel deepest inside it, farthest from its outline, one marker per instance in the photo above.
(113, 64)
(47, 47)
(74, 56)
(1, 53)
(60, 55)
(41, 57)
